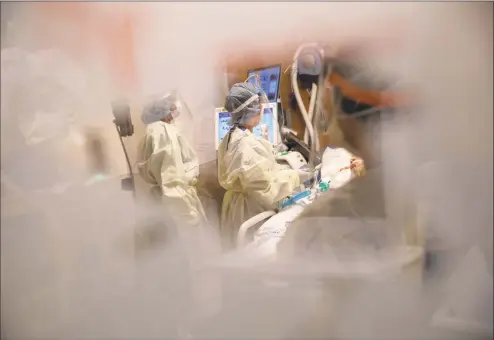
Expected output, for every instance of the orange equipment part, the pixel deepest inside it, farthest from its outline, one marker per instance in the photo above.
(369, 97)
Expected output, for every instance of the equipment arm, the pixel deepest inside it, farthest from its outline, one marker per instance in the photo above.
(369, 97)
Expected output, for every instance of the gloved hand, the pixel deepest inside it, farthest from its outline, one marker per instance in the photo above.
(279, 148)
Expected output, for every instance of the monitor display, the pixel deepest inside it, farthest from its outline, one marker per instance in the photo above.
(266, 129)
(269, 78)
(223, 127)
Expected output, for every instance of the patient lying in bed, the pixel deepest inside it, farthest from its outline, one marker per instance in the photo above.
(343, 232)
(339, 168)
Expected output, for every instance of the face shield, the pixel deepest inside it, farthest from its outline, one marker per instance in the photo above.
(183, 118)
(171, 107)
(255, 80)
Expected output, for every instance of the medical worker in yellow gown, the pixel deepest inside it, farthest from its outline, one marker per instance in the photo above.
(168, 163)
(247, 168)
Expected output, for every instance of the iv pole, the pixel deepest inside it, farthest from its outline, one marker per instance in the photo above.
(124, 127)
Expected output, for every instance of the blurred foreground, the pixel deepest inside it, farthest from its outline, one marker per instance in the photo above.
(71, 265)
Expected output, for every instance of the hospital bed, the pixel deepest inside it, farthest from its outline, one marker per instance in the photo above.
(259, 253)
(332, 161)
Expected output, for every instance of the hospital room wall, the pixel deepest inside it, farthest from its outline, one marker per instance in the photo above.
(73, 30)
(146, 58)
(169, 53)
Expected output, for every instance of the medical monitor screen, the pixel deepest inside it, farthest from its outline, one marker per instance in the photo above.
(266, 129)
(223, 127)
(269, 78)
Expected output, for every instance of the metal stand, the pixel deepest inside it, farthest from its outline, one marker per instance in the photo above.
(128, 184)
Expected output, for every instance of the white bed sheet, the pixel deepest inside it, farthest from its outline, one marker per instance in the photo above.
(272, 231)
(259, 254)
